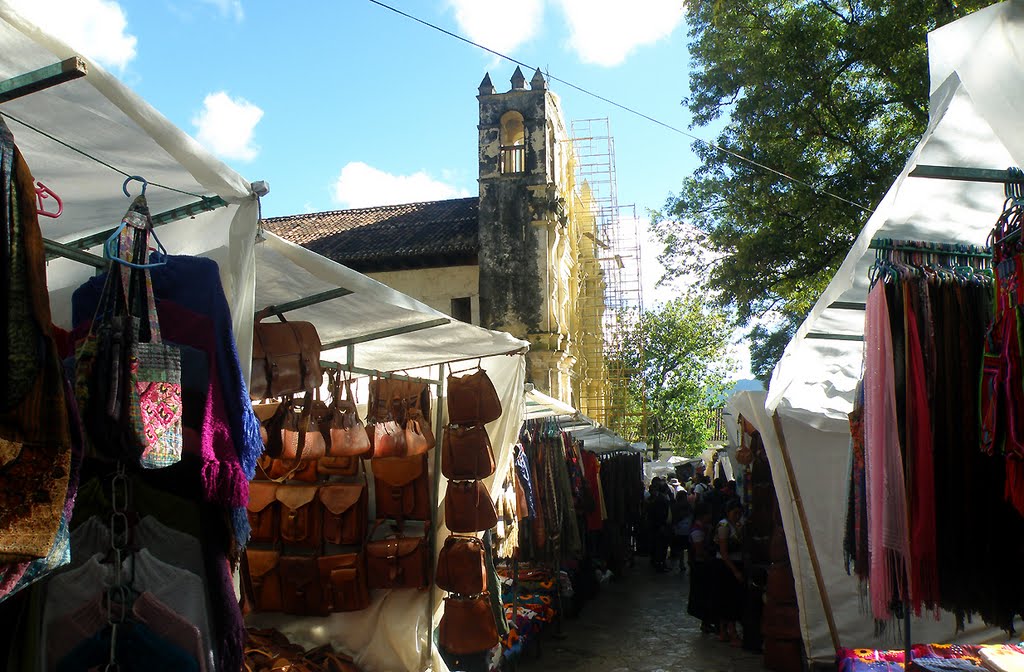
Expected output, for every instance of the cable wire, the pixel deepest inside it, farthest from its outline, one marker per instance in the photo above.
(628, 109)
(93, 158)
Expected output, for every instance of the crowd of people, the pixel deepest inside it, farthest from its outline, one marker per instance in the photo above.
(699, 526)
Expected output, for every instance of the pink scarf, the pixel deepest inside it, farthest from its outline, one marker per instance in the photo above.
(888, 540)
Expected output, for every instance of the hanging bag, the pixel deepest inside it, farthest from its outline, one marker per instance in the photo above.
(467, 625)
(285, 357)
(343, 579)
(390, 397)
(472, 399)
(345, 508)
(418, 437)
(468, 507)
(388, 438)
(461, 566)
(306, 429)
(398, 562)
(466, 453)
(402, 487)
(347, 435)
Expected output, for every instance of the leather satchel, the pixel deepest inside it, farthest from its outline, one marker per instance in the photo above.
(264, 578)
(468, 507)
(285, 357)
(472, 399)
(418, 437)
(397, 562)
(467, 625)
(466, 453)
(394, 398)
(343, 581)
(300, 586)
(461, 566)
(347, 435)
(306, 431)
(300, 521)
(344, 513)
(402, 487)
(285, 470)
(262, 512)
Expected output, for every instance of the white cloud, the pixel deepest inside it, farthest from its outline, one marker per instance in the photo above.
(225, 126)
(363, 186)
(604, 32)
(95, 28)
(498, 24)
(228, 8)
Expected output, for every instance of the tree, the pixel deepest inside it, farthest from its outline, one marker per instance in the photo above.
(679, 358)
(832, 92)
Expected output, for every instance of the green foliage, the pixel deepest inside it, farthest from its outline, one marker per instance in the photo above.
(679, 363)
(832, 92)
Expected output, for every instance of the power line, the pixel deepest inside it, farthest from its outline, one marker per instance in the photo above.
(628, 109)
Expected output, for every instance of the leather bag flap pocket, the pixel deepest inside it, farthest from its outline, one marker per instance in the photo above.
(294, 497)
(399, 472)
(261, 563)
(338, 499)
(261, 495)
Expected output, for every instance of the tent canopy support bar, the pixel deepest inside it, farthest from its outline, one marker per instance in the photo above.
(205, 204)
(963, 174)
(43, 78)
(821, 336)
(340, 343)
(313, 300)
(379, 374)
(55, 249)
(847, 305)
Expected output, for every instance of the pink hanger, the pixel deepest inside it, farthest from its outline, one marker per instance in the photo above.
(42, 193)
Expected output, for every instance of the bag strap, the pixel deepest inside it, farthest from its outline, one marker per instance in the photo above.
(304, 418)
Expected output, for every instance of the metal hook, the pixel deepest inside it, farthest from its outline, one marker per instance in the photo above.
(124, 187)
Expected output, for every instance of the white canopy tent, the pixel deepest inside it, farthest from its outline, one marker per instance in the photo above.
(83, 137)
(977, 99)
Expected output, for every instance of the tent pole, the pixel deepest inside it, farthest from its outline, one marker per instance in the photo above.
(434, 497)
(795, 489)
(43, 78)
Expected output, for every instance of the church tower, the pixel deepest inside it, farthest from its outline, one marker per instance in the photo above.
(527, 253)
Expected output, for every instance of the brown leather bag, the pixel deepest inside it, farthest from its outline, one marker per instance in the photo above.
(264, 578)
(262, 511)
(461, 566)
(467, 625)
(466, 453)
(300, 586)
(286, 470)
(468, 507)
(285, 357)
(337, 466)
(418, 437)
(343, 580)
(271, 416)
(402, 487)
(306, 430)
(300, 522)
(344, 512)
(388, 439)
(347, 435)
(472, 399)
(397, 562)
(394, 398)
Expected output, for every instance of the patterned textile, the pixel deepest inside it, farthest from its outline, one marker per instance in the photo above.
(855, 543)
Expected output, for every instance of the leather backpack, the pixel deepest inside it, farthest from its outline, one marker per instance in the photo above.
(402, 487)
(472, 399)
(285, 357)
(468, 507)
(466, 453)
(397, 562)
(461, 566)
(344, 512)
(467, 625)
(343, 580)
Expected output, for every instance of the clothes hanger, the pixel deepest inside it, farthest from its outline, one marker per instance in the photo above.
(112, 244)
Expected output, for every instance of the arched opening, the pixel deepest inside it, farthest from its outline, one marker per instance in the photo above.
(513, 143)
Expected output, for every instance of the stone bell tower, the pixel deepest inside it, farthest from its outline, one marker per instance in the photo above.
(528, 256)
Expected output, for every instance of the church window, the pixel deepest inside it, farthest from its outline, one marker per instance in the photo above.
(513, 143)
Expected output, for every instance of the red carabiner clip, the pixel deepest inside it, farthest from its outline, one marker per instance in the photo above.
(42, 193)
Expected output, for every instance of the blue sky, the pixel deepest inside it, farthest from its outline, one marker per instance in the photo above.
(345, 104)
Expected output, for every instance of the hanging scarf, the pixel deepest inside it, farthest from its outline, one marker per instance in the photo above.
(924, 574)
(888, 541)
(855, 543)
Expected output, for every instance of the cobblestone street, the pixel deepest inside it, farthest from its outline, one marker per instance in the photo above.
(639, 624)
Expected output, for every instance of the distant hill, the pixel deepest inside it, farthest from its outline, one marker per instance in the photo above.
(748, 385)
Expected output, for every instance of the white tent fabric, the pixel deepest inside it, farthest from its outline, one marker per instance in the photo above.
(540, 405)
(104, 119)
(287, 272)
(977, 98)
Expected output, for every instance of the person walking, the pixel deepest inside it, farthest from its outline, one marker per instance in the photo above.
(701, 555)
(730, 583)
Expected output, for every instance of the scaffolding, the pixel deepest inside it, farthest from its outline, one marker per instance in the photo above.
(610, 289)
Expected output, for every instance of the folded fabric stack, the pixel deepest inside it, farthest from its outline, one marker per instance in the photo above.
(1003, 658)
(534, 605)
(925, 657)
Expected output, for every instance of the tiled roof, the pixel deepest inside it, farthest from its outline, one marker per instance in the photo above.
(411, 235)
